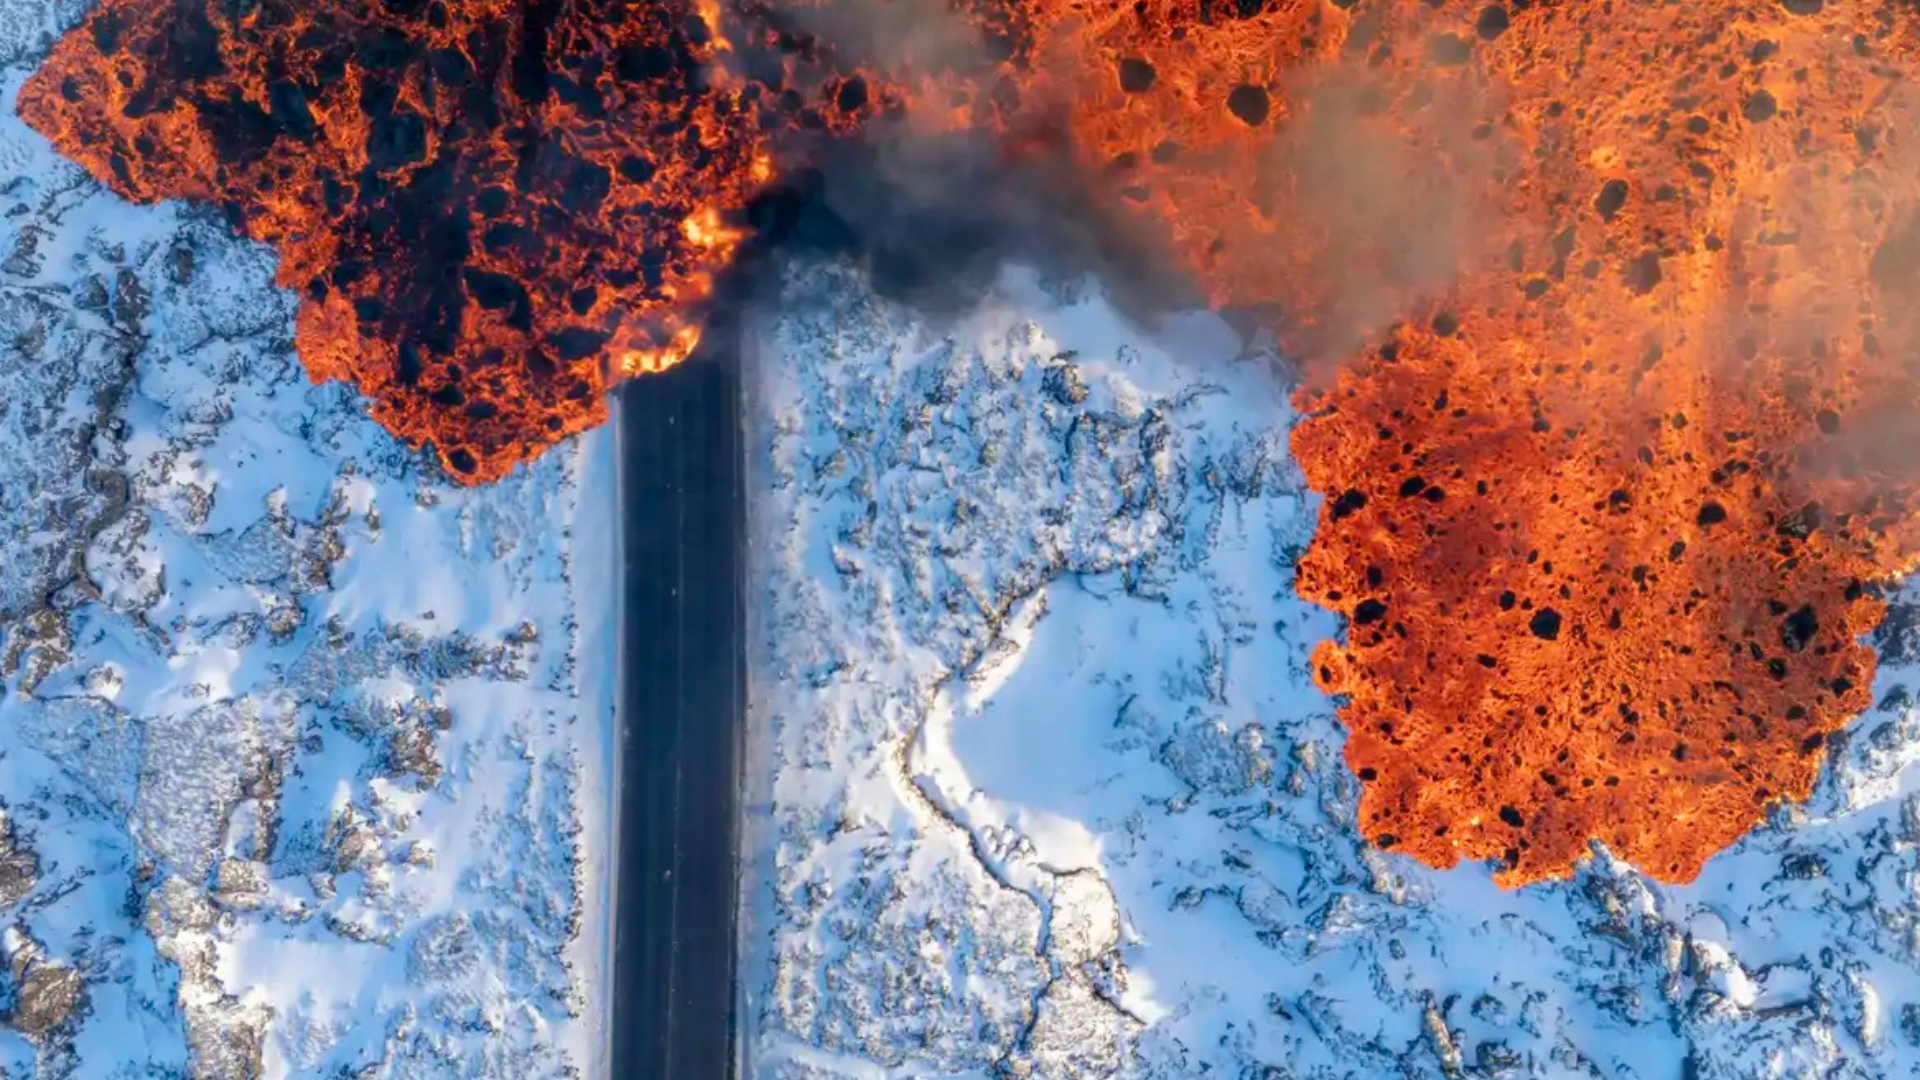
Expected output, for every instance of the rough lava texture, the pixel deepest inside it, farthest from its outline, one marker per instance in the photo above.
(1604, 518)
(489, 209)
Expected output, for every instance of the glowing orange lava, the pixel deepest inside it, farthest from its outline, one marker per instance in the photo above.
(1602, 512)
(486, 206)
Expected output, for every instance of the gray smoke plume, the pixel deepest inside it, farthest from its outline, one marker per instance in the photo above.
(936, 214)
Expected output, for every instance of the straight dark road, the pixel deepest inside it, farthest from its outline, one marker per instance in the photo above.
(681, 709)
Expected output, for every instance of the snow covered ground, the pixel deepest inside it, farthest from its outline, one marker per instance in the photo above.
(301, 748)
(1048, 792)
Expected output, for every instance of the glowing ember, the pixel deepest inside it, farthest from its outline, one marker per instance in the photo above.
(1608, 310)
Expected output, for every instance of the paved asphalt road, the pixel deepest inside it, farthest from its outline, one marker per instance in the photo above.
(681, 707)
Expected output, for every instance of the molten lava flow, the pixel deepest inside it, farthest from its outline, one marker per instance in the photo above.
(486, 204)
(1602, 516)
(1610, 312)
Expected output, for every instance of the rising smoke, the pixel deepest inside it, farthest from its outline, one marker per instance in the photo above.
(1361, 207)
(935, 210)
(1384, 207)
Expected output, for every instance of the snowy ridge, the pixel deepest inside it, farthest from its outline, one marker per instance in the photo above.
(306, 765)
(1050, 793)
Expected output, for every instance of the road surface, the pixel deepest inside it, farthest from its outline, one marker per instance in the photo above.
(680, 713)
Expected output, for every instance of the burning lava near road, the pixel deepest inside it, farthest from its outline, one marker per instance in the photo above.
(479, 203)
(1606, 312)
